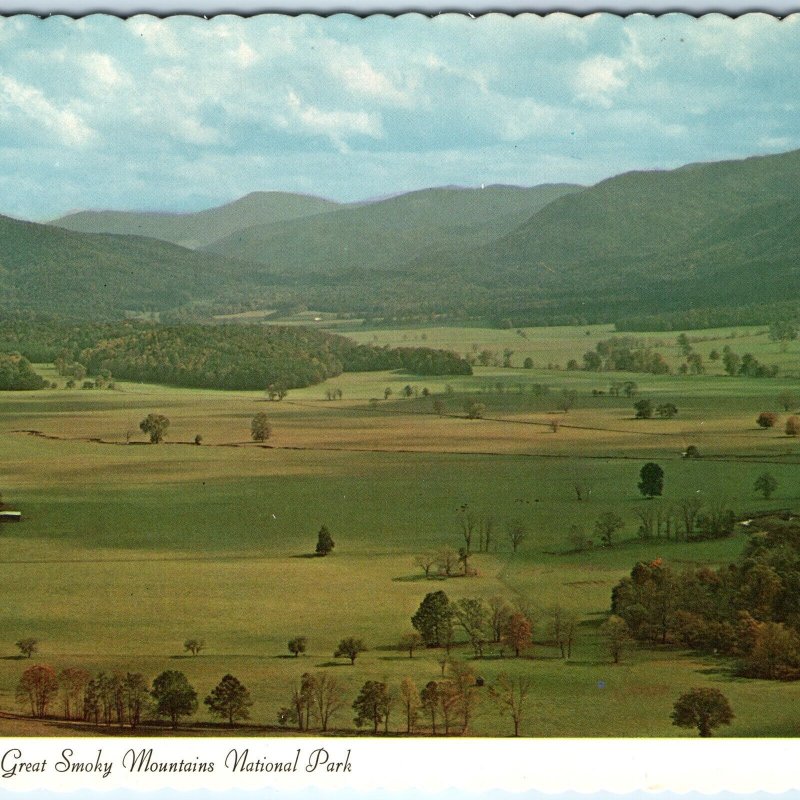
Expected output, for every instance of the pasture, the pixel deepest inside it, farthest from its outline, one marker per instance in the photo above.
(127, 549)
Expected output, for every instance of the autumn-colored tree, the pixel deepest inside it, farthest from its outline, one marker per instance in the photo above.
(793, 426)
(72, 682)
(37, 686)
(429, 701)
(517, 633)
(704, 709)
(766, 419)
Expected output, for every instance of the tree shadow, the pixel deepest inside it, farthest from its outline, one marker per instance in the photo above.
(307, 555)
(416, 578)
(13, 658)
(334, 664)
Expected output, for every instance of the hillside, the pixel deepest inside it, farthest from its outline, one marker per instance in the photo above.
(203, 227)
(49, 269)
(724, 231)
(393, 233)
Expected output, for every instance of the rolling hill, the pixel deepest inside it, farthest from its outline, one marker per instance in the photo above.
(203, 227)
(390, 234)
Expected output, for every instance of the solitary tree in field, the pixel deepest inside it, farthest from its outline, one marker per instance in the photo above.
(409, 642)
(434, 619)
(517, 532)
(194, 646)
(297, 645)
(667, 410)
(793, 426)
(350, 648)
(260, 428)
(765, 484)
(229, 699)
(325, 543)
(155, 426)
(28, 646)
(474, 409)
(704, 709)
(174, 696)
(643, 409)
(651, 480)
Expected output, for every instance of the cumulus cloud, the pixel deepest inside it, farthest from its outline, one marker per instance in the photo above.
(20, 101)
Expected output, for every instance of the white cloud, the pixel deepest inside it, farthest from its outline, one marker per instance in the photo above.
(104, 70)
(359, 76)
(30, 102)
(336, 125)
(598, 78)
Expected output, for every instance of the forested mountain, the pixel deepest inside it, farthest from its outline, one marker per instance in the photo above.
(390, 234)
(697, 240)
(49, 269)
(724, 233)
(203, 227)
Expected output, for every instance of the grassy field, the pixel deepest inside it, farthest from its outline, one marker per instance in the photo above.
(127, 549)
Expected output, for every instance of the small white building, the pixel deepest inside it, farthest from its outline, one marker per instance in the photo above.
(10, 516)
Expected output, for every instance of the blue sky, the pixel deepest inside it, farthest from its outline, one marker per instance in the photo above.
(185, 113)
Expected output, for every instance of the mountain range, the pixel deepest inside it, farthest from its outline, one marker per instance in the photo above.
(704, 235)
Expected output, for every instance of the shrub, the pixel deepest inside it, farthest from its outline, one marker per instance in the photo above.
(766, 419)
(793, 426)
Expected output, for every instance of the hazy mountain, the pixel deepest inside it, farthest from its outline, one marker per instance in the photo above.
(203, 227)
(391, 233)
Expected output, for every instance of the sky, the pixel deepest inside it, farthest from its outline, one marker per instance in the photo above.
(186, 113)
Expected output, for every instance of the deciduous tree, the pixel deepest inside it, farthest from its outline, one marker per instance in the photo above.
(411, 701)
(766, 484)
(325, 543)
(434, 619)
(349, 648)
(260, 427)
(174, 696)
(704, 709)
(28, 646)
(371, 704)
(155, 426)
(297, 645)
(651, 480)
(510, 695)
(38, 686)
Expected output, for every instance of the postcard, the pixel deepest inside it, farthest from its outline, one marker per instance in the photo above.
(399, 403)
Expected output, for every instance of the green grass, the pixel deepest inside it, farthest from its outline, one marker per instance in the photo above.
(127, 550)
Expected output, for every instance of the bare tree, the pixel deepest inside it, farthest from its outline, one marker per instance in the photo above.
(517, 532)
(499, 613)
(447, 560)
(327, 697)
(510, 695)
(409, 696)
(689, 509)
(426, 561)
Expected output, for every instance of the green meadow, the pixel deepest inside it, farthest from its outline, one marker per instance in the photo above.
(127, 549)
